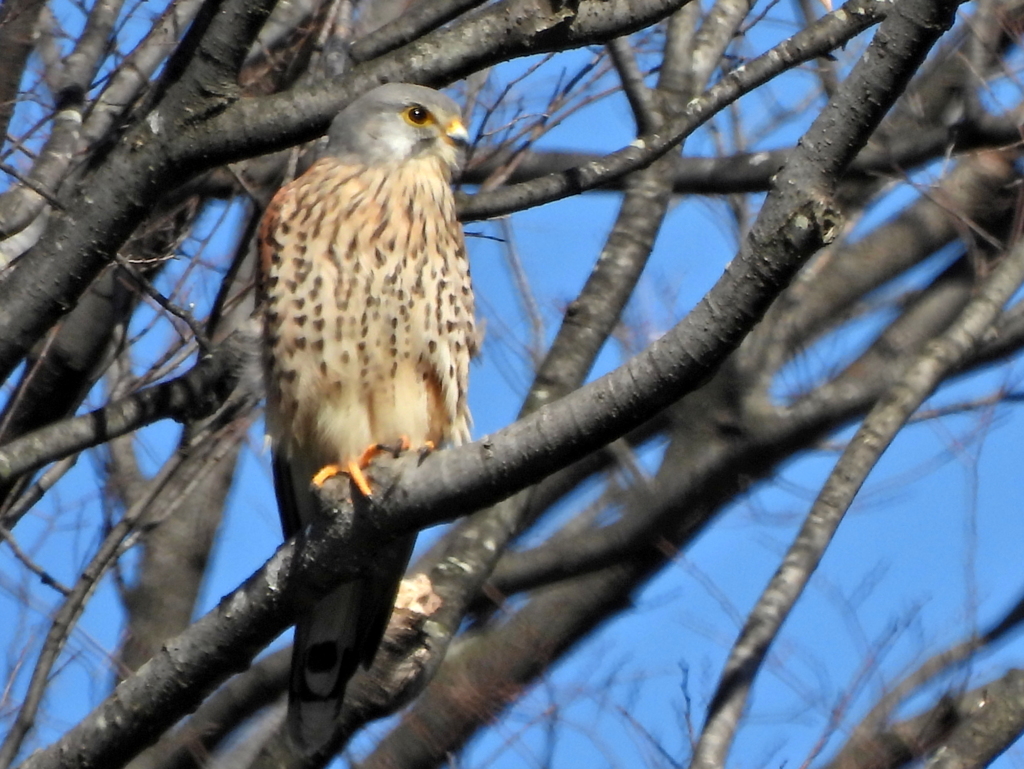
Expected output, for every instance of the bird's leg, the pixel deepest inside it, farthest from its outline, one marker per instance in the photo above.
(353, 468)
(325, 472)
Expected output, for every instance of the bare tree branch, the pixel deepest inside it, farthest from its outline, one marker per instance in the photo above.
(219, 125)
(815, 321)
(17, 21)
(878, 430)
(420, 19)
(194, 394)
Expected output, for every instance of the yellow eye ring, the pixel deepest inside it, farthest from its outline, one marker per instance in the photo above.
(418, 115)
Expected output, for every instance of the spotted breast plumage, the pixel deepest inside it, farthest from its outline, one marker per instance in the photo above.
(368, 332)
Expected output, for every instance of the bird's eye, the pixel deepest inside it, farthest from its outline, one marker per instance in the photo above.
(418, 115)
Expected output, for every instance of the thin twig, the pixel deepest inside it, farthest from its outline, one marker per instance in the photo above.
(44, 576)
(893, 410)
(66, 617)
(523, 290)
(30, 496)
(178, 312)
(198, 392)
(36, 188)
(639, 95)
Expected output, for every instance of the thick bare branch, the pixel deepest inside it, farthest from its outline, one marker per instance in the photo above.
(993, 720)
(757, 393)
(417, 21)
(827, 34)
(20, 205)
(195, 394)
(879, 428)
(963, 730)
(18, 19)
(216, 127)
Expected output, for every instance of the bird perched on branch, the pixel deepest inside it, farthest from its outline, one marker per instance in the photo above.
(368, 332)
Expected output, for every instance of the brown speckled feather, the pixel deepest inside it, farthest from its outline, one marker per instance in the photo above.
(368, 324)
(369, 310)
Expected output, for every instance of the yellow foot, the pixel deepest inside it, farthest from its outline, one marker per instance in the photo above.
(351, 469)
(327, 471)
(355, 472)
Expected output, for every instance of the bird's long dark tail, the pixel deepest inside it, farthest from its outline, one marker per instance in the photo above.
(342, 632)
(345, 628)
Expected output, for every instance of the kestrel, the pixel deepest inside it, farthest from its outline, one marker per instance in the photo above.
(368, 331)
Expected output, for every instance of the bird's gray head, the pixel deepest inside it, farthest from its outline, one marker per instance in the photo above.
(396, 122)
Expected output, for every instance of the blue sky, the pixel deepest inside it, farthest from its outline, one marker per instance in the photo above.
(929, 551)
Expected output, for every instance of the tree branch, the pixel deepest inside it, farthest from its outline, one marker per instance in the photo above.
(196, 393)
(217, 127)
(906, 36)
(414, 23)
(18, 19)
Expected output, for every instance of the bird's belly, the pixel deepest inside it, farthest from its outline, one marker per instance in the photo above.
(369, 316)
(380, 404)
(343, 403)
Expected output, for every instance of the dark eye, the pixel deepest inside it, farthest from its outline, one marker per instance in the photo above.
(417, 115)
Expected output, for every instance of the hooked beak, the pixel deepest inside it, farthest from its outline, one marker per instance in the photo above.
(457, 133)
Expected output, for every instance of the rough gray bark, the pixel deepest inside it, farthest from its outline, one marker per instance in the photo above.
(237, 80)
